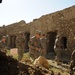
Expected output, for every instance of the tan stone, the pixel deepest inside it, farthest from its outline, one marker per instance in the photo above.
(41, 61)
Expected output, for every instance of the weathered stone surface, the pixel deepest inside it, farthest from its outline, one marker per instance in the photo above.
(62, 21)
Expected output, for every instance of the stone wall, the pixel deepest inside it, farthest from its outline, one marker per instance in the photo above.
(14, 29)
(3, 31)
(61, 22)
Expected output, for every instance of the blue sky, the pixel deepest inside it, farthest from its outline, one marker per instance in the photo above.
(12, 11)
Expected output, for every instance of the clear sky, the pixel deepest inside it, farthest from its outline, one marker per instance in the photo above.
(12, 11)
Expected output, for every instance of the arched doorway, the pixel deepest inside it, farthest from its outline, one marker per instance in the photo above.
(51, 36)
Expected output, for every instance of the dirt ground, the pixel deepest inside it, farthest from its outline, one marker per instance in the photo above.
(63, 68)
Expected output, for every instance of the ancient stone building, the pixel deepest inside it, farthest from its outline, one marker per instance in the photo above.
(61, 22)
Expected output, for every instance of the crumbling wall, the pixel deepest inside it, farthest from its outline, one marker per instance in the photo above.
(62, 21)
(16, 27)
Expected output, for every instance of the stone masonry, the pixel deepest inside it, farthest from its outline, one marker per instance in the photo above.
(61, 22)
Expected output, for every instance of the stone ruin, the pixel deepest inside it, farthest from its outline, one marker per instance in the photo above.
(61, 22)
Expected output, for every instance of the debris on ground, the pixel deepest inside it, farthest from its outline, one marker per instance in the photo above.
(41, 61)
(10, 66)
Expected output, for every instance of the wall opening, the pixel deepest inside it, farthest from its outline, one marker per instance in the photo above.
(12, 41)
(51, 36)
(64, 42)
(27, 38)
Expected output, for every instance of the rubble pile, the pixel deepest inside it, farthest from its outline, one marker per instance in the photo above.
(10, 66)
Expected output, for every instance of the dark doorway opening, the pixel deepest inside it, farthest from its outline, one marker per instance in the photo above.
(64, 42)
(12, 41)
(27, 38)
(51, 36)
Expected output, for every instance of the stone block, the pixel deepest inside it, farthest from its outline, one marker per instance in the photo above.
(41, 61)
(14, 51)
